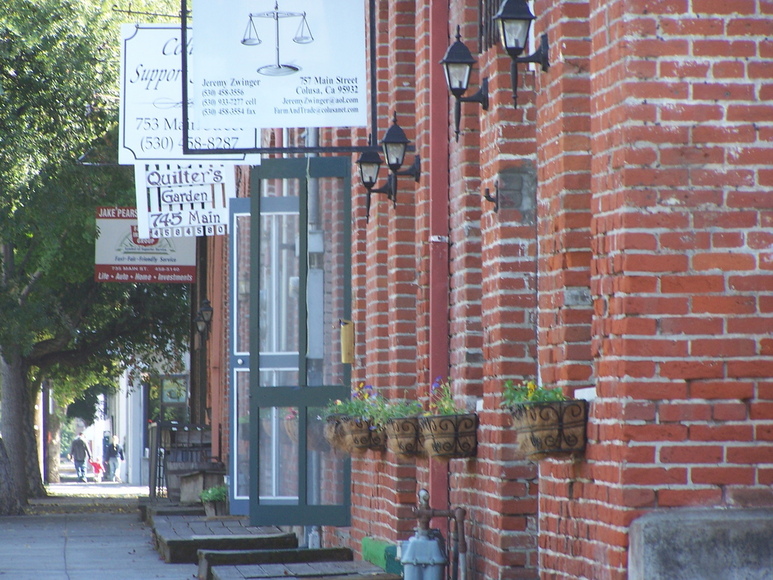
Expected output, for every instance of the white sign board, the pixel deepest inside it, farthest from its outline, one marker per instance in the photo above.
(175, 200)
(123, 256)
(279, 64)
(150, 126)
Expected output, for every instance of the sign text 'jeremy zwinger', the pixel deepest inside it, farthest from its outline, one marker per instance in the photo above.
(289, 63)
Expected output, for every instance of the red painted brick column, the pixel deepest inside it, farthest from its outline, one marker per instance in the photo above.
(565, 308)
(680, 135)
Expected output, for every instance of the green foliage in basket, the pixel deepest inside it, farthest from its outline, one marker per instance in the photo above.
(528, 392)
(441, 399)
(362, 403)
(386, 409)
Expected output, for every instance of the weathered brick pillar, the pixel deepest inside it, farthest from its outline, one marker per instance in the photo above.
(385, 266)
(681, 132)
(507, 160)
(564, 222)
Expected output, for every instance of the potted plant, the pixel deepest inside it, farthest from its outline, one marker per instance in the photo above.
(448, 431)
(349, 424)
(400, 419)
(215, 500)
(546, 422)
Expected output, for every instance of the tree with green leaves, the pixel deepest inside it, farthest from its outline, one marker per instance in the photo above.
(59, 62)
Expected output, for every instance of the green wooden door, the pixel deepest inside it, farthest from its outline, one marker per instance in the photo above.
(300, 288)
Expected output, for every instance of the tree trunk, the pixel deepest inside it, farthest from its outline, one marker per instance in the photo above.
(18, 426)
(54, 444)
(12, 425)
(9, 496)
(33, 476)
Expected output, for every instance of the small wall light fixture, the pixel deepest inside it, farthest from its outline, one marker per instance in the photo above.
(457, 64)
(514, 19)
(204, 317)
(394, 145)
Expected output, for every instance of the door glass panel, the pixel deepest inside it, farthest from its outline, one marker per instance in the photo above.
(327, 291)
(242, 464)
(279, 287)
(279, 456)
(240, 355)
(242, 287)
(324, 467)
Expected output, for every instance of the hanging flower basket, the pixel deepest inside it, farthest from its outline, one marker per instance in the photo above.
(404, 436)
(353, 434)
(334, 432)
(291, 428)
(450, 436)
(552, 428)
(314, 433)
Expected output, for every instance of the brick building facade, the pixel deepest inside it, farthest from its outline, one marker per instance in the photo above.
(632, 253)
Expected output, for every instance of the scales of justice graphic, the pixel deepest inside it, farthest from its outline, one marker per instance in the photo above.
(302, 36)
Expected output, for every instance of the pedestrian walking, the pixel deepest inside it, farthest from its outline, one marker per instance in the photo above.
(79, 453)
(114, 456)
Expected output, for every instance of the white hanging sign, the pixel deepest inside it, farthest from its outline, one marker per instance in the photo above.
(279, 63)
(183, 200)
(150, 124)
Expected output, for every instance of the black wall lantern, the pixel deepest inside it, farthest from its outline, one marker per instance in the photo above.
(457, 64)
(204, 317)
(394, 145)
(514, 19)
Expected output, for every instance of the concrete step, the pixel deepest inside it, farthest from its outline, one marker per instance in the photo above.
(210, 558)
(178, 538)
(357, 570)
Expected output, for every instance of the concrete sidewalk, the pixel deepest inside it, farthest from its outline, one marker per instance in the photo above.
(85, 531)
(88, 546)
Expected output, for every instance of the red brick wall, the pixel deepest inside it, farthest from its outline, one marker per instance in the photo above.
(564, 136)
(678, 142)
(385, 283)
(644, 271)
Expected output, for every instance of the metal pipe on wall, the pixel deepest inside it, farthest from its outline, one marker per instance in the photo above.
(439, 288)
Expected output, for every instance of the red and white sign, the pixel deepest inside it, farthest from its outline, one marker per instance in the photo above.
(123, 256)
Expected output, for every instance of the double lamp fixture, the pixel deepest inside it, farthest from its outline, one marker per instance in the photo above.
(203, 318)
(394, 144)
(513, 22)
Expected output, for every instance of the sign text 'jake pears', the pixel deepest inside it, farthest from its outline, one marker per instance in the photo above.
(122, 255)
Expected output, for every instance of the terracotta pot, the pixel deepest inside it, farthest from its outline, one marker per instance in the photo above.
(450, 436)
(552, 428)
(404, 436)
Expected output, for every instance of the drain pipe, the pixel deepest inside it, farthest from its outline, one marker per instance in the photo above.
(439, 288)
(459, 515)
